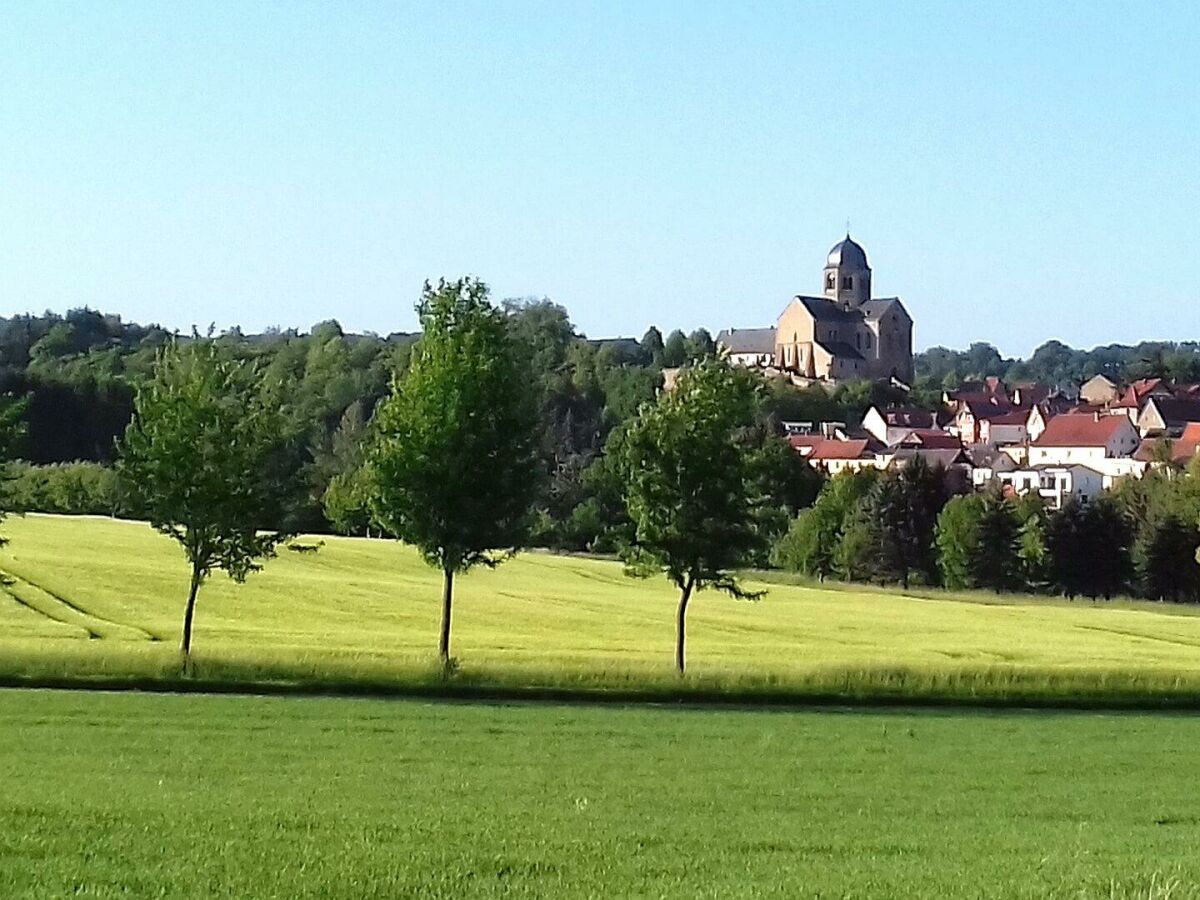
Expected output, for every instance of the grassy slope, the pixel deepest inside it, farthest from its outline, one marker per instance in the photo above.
(362, 609)
(179, 796)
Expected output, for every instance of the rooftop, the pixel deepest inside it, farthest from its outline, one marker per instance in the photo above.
(1081, 431)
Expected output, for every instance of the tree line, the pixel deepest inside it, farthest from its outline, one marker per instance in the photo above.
(78, 375)
(902, 527)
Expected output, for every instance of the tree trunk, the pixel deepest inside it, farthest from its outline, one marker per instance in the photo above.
(190, 612)
(447, 596)
(680, 621)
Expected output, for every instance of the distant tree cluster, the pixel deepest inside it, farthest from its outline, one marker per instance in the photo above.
(1141, 540)
(1055, 363)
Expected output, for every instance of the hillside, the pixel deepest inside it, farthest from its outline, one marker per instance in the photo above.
(91, 596)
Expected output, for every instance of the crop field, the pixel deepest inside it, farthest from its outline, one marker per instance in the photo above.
(191, 795)
(97, 598)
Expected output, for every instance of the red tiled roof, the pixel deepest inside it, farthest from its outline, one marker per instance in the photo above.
(1080, 431)
(829, 449)
(1182, 450)
(802, 441)
(1136, 392)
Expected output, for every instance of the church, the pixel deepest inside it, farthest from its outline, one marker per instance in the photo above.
(843, 335)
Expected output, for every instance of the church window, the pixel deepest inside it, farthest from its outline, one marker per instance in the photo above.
(847, 281)
(858, 341)
(867, 340)
(829, 281)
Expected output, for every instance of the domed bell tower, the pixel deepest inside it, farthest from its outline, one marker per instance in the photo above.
(847, 277)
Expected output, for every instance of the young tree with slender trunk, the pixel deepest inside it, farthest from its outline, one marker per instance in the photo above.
(689, 487)
(453, 460)
(201, 457)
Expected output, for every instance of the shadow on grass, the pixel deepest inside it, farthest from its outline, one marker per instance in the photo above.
(154, 667)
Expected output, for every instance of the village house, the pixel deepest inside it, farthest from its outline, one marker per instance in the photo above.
(750, 347)
(1167, 416)
(969, 418)
(1178, 451)
(1099, 390)
(1054, 484)
(1134, 397)
(890, 426)
(1006, 428)
(835, 456)
(1083, 439)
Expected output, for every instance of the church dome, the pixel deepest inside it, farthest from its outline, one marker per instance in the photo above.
(848, 254)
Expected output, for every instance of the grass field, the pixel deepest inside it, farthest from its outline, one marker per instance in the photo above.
(188, 795)
(95, 598)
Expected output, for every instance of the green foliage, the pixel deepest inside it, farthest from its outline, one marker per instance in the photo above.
(1057, 364)
(1164, 510)
(1033, 553)
(958, 541)
(347, 502)
(12, 434)
(890, 537)
(1089, 546)
(69, 488)
(675, 349)
(812, 544)
(652, 345)
(978, 543)
(690, 488)
(1165, 559)
(454, 458)
(340, 466)
(201, 457)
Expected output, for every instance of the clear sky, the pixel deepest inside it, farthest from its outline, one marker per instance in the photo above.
(1016, 172)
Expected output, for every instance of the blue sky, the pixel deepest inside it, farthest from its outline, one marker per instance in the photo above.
(1016, 171)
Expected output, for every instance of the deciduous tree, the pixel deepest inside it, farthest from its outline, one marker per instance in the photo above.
(454, 467)
(689, 487)
(201, 458)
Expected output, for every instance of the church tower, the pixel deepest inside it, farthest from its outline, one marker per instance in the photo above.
(847, 275)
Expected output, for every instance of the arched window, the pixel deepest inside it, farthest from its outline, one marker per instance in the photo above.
(829, 281)
(847, 282)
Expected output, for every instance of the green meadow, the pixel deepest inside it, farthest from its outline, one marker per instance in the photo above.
(109, 795)
(101, 600)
